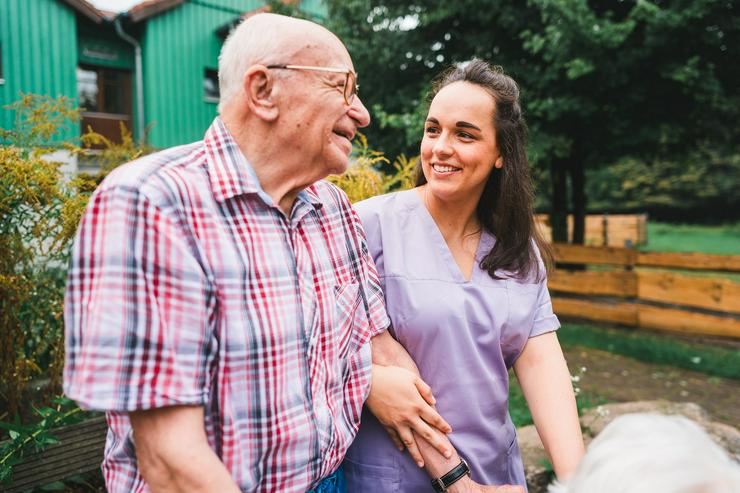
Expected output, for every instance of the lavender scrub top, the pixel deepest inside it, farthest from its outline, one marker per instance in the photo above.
(463, 336)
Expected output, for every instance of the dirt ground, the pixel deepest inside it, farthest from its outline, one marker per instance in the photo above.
(621, 379)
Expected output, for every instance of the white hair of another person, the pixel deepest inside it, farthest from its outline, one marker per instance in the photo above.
(653, 453)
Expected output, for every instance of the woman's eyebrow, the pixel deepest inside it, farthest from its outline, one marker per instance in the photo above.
(467, 125)
(431, 119)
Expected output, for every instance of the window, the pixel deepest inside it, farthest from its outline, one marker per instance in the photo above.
(210, 85)
(104, 90)
(105, 100)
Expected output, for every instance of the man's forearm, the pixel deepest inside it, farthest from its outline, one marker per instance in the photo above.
(173, 454)
(389, 352)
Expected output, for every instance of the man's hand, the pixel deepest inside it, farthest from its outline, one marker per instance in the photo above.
(403, 402)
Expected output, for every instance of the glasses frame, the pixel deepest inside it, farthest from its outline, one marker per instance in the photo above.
(353, 89)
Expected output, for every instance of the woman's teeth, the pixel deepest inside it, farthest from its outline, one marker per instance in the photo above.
(444, 169)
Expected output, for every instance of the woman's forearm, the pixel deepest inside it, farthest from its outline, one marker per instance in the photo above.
(545, 380)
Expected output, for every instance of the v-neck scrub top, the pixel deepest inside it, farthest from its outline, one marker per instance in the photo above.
(463, 335)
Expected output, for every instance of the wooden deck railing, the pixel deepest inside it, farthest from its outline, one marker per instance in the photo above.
(644, 289)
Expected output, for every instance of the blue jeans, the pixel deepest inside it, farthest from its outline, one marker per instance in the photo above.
(333, 483)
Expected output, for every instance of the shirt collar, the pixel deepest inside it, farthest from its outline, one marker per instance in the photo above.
(230, 172)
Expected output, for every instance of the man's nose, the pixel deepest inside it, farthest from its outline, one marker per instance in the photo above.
(359, 113)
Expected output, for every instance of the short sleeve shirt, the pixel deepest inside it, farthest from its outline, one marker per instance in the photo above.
(189, 286)
(463, 335)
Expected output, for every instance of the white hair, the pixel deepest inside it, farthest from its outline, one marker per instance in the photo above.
(262, 38)
(653, 453)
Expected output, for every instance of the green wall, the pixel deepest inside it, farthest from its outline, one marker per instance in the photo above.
(39, 53)
(178, 46)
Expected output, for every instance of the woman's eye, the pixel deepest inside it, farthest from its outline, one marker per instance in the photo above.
(465, 135)
(431, 130)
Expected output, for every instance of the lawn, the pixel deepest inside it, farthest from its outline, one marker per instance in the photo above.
(721, 240)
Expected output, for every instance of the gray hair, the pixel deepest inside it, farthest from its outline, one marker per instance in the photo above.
(257, 39)
(653, 453)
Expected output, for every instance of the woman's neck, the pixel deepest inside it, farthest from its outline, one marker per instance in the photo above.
(456, 219)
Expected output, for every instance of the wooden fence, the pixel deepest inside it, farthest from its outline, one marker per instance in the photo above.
(617, 230)
(637, 289)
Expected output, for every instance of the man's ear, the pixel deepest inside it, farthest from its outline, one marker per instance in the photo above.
(259, 90)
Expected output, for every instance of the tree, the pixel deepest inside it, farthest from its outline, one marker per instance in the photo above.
(601, 81)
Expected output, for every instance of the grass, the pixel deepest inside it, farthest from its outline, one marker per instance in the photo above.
(721, 240)
(654, 348)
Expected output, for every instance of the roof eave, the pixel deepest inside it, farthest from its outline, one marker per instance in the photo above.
(151, 8)
(86, 9)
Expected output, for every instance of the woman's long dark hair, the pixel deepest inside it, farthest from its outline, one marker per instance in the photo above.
(505, 208)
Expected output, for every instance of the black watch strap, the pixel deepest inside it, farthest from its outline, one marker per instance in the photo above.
(440, 485)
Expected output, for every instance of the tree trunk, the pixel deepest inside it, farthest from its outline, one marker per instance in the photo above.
(578, 198)
(559, 203)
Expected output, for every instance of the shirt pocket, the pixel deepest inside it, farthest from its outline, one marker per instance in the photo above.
(350, 320)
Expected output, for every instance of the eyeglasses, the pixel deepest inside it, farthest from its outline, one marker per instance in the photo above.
(351, 87)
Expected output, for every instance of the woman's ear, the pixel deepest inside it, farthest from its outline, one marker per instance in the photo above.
(499, 163)
(259, 90)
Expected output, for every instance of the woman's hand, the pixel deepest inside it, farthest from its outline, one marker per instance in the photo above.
(403, 403)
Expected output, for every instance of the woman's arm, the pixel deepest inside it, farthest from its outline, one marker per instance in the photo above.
(545, 380)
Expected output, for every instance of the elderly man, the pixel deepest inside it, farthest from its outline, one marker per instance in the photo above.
(221, 300)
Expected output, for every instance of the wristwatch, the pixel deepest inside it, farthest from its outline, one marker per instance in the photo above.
(441, 484)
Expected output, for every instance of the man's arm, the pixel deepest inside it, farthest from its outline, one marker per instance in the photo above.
(173, 454)
(403, 402)
(545, 380)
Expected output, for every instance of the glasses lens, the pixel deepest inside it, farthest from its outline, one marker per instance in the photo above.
(350, 88)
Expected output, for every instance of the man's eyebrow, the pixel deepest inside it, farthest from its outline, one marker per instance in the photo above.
(467, 125)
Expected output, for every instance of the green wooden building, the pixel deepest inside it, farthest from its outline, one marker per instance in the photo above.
(168, 48)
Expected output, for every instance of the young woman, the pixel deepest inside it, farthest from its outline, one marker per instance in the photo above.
(465, 287)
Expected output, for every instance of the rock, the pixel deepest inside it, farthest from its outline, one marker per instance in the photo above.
(536, 465)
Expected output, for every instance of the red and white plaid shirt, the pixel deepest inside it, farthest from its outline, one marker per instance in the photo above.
(189, 286)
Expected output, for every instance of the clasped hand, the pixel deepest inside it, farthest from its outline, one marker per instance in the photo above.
(403, 403)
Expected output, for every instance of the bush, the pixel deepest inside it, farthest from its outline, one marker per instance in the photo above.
(701, 188)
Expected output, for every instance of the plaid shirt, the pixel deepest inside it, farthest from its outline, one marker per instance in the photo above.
(188, 286)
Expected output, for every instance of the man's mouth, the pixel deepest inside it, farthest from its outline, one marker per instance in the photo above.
(444, 168)
(347, 135)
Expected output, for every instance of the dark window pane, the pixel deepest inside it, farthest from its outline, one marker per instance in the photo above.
(87, 89)
(112, 92)
(210, 84)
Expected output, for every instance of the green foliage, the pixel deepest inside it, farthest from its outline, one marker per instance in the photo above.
(700, 186)
(38, 119)
(712, 360)
(35, 234)
(39, 213)
(366, 176)
(25, 438)
(601, 81)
